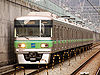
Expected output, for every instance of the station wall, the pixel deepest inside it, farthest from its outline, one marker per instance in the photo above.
(9, 10)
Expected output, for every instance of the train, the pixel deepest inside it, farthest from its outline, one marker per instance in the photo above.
(39, 35)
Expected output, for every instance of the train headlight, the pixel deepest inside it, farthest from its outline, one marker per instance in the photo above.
(44, 45)
(21, 45)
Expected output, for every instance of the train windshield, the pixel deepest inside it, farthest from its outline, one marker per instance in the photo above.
(33, 28)
(46, 28)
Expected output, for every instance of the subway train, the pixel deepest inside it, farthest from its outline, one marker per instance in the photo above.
(40, 35)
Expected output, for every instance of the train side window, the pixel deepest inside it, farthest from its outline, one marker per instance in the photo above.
(58, 30)
(62, 33)
(57, 33)
(75, 34)
(68, 34)
(83, 34)
(54, 32)
(80, 34)
(60, 36)
(72, 33)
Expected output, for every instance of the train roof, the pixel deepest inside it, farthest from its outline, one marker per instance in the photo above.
(38, 16)
(33, 18)
(48, 16)
(72, 24)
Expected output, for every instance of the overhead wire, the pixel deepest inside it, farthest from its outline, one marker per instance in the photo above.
(93, 7)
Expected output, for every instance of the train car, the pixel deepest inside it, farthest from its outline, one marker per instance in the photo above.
(96, 37)
(41, 34)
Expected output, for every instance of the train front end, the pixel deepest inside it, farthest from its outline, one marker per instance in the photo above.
(33, 43)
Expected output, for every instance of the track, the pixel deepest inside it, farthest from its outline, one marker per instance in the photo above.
(23, 71)
(98, 72)
(84, 64)
(20, 70)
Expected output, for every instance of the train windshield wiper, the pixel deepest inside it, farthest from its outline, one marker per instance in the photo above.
(24, 36)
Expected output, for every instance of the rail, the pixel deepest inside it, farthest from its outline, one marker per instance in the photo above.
(98, 72)
(79, 68)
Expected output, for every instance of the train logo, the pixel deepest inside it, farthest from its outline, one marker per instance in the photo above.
(32, 45)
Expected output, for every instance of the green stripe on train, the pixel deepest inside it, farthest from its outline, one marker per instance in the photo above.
(49, 42)
(36, 42)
